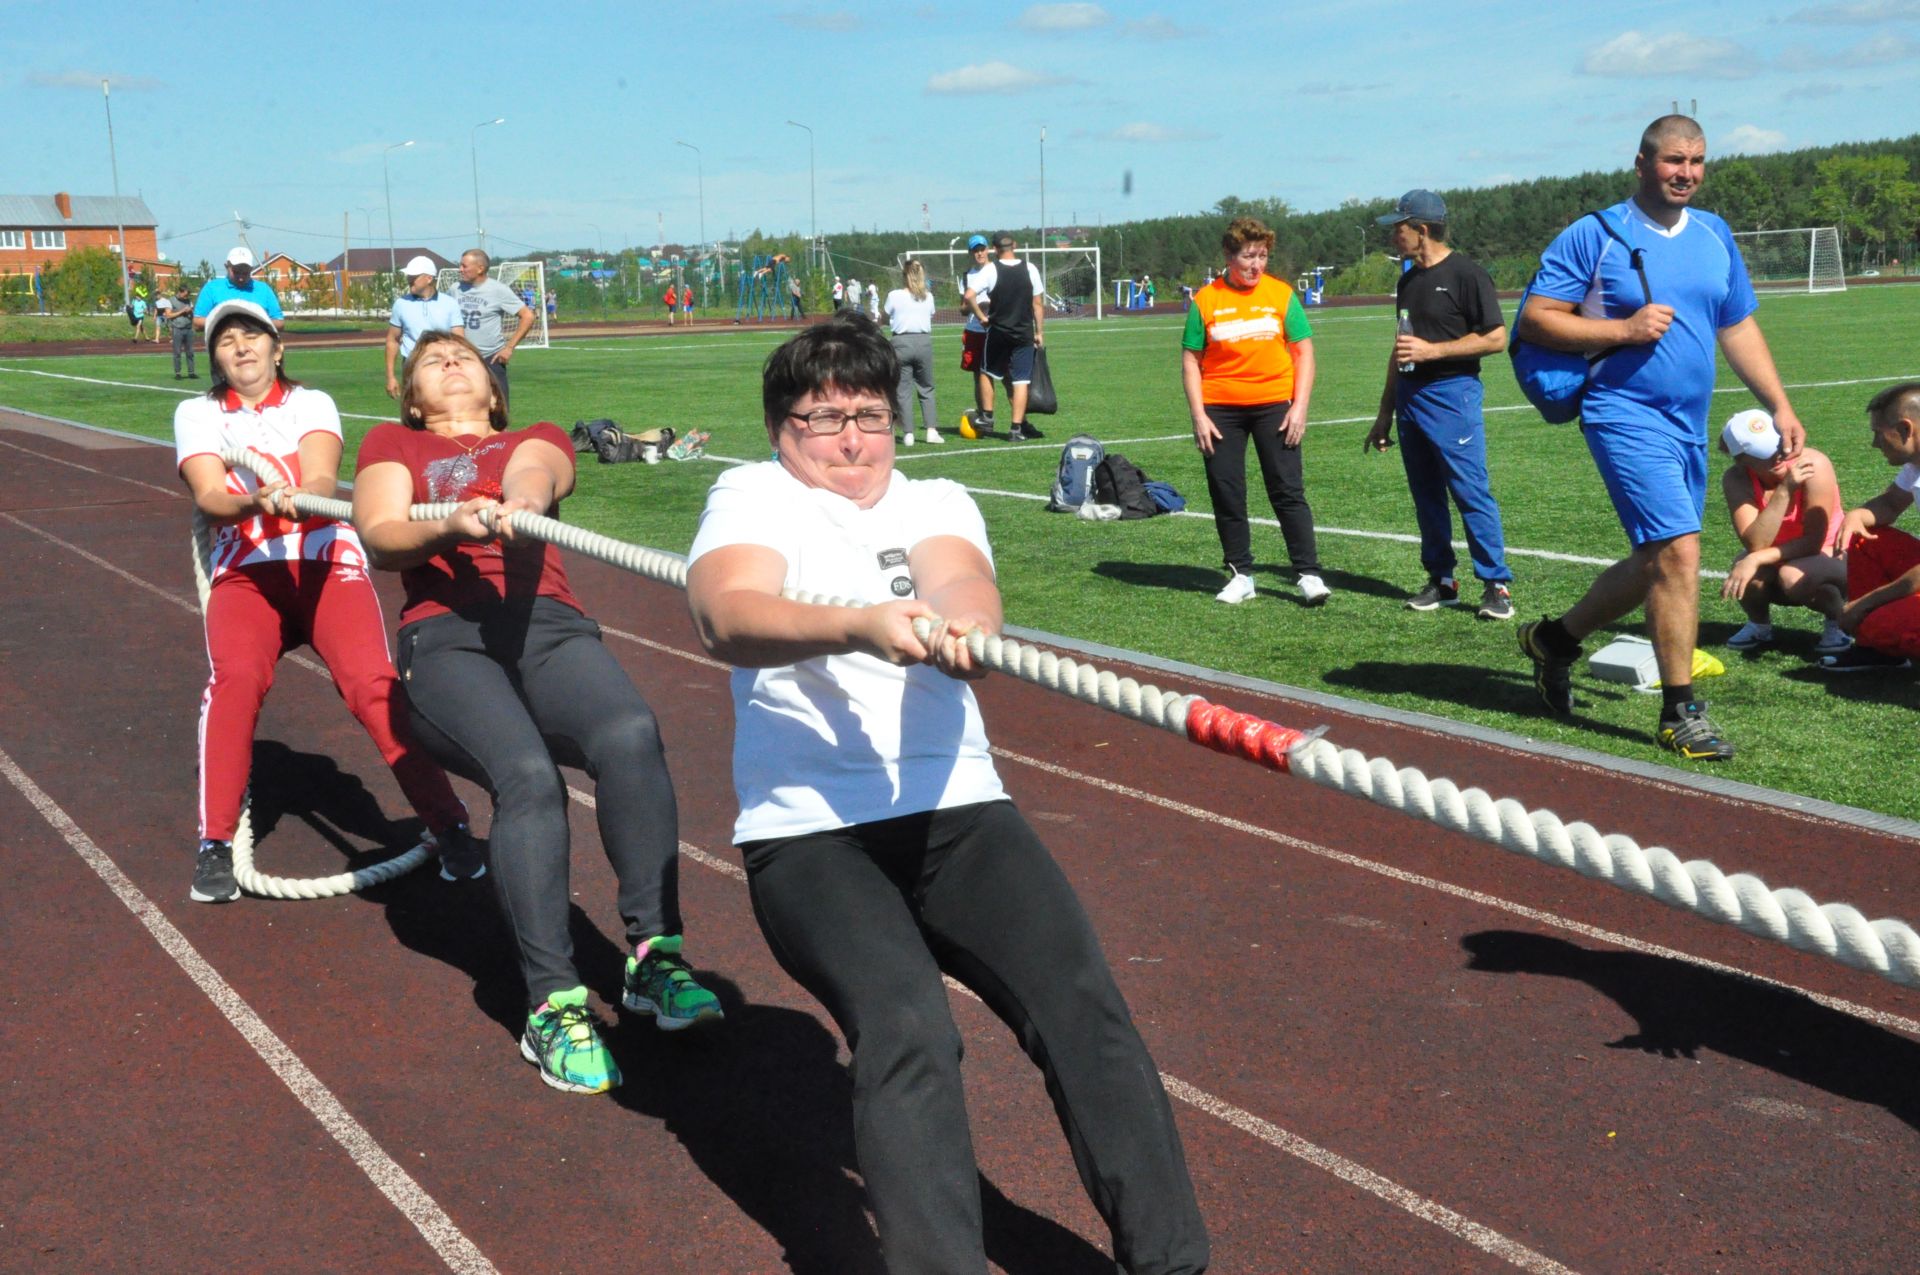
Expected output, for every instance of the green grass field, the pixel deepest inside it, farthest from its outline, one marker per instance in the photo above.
(1149, 585)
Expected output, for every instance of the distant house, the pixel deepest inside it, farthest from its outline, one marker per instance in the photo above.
(362, 263)
(283, 272)
(40, 230)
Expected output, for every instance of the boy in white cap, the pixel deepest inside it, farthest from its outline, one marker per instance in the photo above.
(421, 309)
(239, 285)
(1787, 515)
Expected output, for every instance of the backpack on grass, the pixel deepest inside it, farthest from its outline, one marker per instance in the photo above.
(1073, 483)
(1118, 481)
(1555, 381)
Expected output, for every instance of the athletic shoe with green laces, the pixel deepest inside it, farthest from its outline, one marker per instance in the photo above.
(563, 1040)
(659, 983)
(1693, 736)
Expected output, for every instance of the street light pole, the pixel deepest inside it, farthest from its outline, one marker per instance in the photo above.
(1043, 206)
(700, 174)
(386, 183)
(473, 145)
(113, 158)
(813, 209)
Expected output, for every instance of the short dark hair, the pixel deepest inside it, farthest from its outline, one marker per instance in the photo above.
(218, 386)
(845, 351)
(1004, 242)
(1434, 230)
(1656, 134)
(1893, 403)
(410, 414)
(486, 262)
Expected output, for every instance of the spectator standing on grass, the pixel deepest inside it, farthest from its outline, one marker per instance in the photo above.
(910, 316)
(1150, 291)
(1644, 415)
(137, 313)
(421, 309)
(506, 676)
(1787, 516)
(839, 292)
(1015, 329)
(673, 303)
(686, 303)
(1883, 562)
(1246, 363)
(485, 306)
(796, 298)
(881, 849)
(1452, 320)
(976, 289)
(279, 581)
(162, 313)
(854, 293)
(873, 301)
(238, 285)
(180, 325)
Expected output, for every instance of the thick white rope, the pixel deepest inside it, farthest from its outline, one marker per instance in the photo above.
(1888, 947)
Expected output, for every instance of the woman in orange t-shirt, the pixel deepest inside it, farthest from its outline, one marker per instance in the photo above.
(1247, 364)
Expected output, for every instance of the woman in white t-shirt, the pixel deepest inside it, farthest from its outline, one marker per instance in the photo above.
(881, 850)
(279, 582)
(910, 315)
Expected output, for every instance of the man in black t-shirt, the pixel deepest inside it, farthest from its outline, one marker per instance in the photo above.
(1449, 318)
(1013, 330)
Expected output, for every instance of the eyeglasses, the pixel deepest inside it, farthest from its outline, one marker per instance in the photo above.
(831, 420)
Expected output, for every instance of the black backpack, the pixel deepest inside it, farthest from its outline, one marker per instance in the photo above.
(1118, 481)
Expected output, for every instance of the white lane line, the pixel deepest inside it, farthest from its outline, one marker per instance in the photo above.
(406, 1195)
(71, 464)
(134, 385)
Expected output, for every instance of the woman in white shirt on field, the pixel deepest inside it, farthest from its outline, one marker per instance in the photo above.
(910, 315)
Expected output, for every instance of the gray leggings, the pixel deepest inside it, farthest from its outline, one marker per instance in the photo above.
(916, 373)
(183, 344)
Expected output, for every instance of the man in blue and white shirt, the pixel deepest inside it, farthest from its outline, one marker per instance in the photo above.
(421, 309)
(1645, 410)
(239, 285)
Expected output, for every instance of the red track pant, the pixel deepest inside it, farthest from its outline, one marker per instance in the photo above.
(256, 614)
(1895, 627)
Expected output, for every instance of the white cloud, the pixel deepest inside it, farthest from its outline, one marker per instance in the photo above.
(1751, 139)
(1810, 92)
(1158, 27)
(990, 77)
(1860, 12)
(1879, 50)
(1143, 132)
(1064, 17)
(1322, 88)
(838, 21)
(90, 80)
(1633, 55)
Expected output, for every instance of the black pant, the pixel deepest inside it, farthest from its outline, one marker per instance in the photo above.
(497, 699)
(1279, 465)
(867, 918)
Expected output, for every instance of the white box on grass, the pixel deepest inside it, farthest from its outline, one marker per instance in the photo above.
(1626, 659)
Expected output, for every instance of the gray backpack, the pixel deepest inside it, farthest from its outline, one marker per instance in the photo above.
(1073, 482)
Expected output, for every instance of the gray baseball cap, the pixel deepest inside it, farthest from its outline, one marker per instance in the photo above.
(1416, 205)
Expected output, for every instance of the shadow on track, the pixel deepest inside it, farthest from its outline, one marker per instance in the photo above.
(313, 790)
(1682, 1008)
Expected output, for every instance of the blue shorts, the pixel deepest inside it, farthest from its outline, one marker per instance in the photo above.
(1657, 481)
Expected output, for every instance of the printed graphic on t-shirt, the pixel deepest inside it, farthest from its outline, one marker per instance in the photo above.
(459, 477)
(1264, 328)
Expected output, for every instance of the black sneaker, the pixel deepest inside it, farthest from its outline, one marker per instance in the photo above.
(213, 879)
(1028, 430)
(1552, 674)
(1693, 735)
(1439, 593)
(460, 857)
(1014, 434)
(1496, 602)
(1862, 659)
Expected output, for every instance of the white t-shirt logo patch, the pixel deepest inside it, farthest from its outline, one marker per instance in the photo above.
(891, 558)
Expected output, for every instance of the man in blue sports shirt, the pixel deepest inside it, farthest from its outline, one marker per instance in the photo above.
(239, 285)
(1644, 415)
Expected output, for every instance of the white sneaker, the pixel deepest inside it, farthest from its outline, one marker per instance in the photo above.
(906, 439)
(1238, 589)
(1313, 590)
(933, 435)
(1752, 636)
(1833, 640)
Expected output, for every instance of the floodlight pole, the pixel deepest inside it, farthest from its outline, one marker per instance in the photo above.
(120, 219)
(813, 208)
(473, 145)
(386, 183)
(1043, 206)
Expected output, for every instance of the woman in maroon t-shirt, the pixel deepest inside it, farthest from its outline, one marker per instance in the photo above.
(505, 675)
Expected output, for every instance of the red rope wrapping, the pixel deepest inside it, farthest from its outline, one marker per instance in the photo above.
(1238, 734)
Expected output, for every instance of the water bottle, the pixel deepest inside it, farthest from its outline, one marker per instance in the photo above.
(1405, 329)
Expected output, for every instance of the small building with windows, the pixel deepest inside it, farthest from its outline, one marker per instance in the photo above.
(40, 230)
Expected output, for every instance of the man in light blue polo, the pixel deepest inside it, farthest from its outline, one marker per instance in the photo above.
(1645, 410)
(421, 309)
(239, 285)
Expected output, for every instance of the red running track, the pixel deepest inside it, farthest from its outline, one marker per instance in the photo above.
(1392, 1048)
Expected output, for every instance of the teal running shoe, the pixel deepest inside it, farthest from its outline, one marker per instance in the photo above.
(563, 1040)
(659, 983)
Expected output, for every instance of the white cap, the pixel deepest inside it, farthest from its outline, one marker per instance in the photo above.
(421, 265)
(231, 307)
(242, 256)
(1751, 433)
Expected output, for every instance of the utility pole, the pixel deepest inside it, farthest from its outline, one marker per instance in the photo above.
(120, 220)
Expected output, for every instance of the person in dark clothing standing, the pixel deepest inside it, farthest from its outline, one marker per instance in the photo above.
(1014, 330)
(1450, 319)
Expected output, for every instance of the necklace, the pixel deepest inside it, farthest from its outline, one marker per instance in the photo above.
(468, 443)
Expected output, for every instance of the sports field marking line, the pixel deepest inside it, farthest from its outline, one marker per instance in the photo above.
(392, 1181)
(135, 385)
(1349, 1171)
(71, 464)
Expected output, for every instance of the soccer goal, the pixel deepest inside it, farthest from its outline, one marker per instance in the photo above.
(1802, 260)
(528, 278)
(1072, 272)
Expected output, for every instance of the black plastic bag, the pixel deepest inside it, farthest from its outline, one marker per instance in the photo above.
(1041, 400)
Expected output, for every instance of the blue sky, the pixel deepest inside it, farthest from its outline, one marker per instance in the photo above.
(282, 112)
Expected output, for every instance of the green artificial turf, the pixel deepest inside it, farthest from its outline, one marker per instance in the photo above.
(1149, 585)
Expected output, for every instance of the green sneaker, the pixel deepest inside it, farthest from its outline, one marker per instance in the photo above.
(563, 1040)
(659, 983)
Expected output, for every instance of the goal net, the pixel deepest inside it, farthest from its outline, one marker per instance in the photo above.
(1802, 260)
(1072, 274)
(528, 279)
